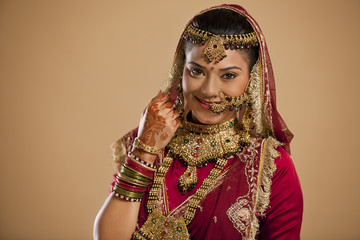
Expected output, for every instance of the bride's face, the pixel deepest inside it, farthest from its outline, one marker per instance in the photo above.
(202, 82)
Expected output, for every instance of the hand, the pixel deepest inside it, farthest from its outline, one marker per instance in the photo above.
(158, 122)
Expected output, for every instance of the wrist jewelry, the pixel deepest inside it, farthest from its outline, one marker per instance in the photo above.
(133, 179)
(140, 145)
(147, 165)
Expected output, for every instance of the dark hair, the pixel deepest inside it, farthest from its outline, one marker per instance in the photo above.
(226, 22)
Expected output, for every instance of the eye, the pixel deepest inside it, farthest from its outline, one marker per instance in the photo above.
(229, 76)
(196, 72)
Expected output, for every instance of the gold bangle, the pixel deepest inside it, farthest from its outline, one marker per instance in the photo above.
(128, 193)
(140, 145)
(132, 181)
(142, 175)
(135, 175)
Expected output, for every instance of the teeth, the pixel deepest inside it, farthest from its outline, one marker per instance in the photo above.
(207, 103)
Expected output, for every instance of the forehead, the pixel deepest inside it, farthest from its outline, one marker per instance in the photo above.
(195, 53)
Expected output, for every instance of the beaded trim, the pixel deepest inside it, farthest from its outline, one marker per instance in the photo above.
(143, 163)
(127, 198)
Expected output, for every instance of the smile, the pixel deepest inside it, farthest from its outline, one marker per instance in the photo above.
(205, 104)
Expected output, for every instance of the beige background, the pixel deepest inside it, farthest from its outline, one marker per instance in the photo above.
(75, 76)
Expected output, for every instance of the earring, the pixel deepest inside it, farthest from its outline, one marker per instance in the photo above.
(230, 103)
(179, 102)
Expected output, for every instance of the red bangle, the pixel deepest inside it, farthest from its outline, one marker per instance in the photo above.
(129, 187)
(139, 168)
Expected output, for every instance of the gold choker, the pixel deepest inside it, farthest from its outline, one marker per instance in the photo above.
(197, 145)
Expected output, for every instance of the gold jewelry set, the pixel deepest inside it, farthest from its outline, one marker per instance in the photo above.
(195, 145)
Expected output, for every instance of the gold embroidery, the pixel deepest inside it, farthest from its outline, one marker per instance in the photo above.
(266, 171)
(240, 213)
(120, 149)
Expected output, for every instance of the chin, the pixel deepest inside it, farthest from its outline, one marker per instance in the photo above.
(209, 118)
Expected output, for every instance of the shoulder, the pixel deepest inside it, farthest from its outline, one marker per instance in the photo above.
(284, 166)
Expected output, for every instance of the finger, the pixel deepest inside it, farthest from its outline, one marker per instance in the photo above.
(172, 115)
(167, 106)
(164, 99)
(176, 123)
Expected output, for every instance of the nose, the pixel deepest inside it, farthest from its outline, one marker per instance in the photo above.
(209, 88)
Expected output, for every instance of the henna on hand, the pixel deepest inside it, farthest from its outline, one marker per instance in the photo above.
(159, 122)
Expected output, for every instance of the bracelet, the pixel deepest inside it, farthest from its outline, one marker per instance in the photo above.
(140, 145)
(142, 162)
(126, 193)
(132, 181)
(135, 175)
(139, 170)
(129, 187)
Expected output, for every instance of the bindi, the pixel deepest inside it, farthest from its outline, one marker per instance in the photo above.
(212, 68)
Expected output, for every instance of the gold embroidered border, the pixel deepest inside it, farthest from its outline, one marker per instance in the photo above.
(120, 149)
(266, 171)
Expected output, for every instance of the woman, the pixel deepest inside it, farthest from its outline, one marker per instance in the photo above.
(223, 169)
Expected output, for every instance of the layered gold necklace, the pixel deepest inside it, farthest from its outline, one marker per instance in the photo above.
(195, 145)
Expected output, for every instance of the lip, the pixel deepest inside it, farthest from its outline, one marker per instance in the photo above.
(205, 104)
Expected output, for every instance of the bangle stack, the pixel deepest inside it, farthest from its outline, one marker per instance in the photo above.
(133, 179)
(142, 146)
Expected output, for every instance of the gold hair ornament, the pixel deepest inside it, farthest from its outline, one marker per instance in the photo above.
(217, 44)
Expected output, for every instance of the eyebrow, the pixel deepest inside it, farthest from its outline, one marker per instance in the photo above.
(196, 64)
(222, 69)
(229, 68)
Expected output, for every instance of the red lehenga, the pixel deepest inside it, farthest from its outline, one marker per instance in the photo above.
(258, 193)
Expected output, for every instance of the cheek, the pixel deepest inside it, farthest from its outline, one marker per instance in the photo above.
(187, 85)
(237, 88)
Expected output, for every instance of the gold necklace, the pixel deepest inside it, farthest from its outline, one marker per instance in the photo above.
(229, 139)
(158, 226)
(197, 145)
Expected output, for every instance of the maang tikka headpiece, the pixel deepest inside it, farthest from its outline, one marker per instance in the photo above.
(217, 44)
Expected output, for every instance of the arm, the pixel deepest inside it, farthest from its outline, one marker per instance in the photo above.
(117, 218)
(284, 215)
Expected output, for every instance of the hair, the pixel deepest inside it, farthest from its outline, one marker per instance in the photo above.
(226, 22)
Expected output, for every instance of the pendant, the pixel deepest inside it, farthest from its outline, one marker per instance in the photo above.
(158, 226)
(187, 180)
